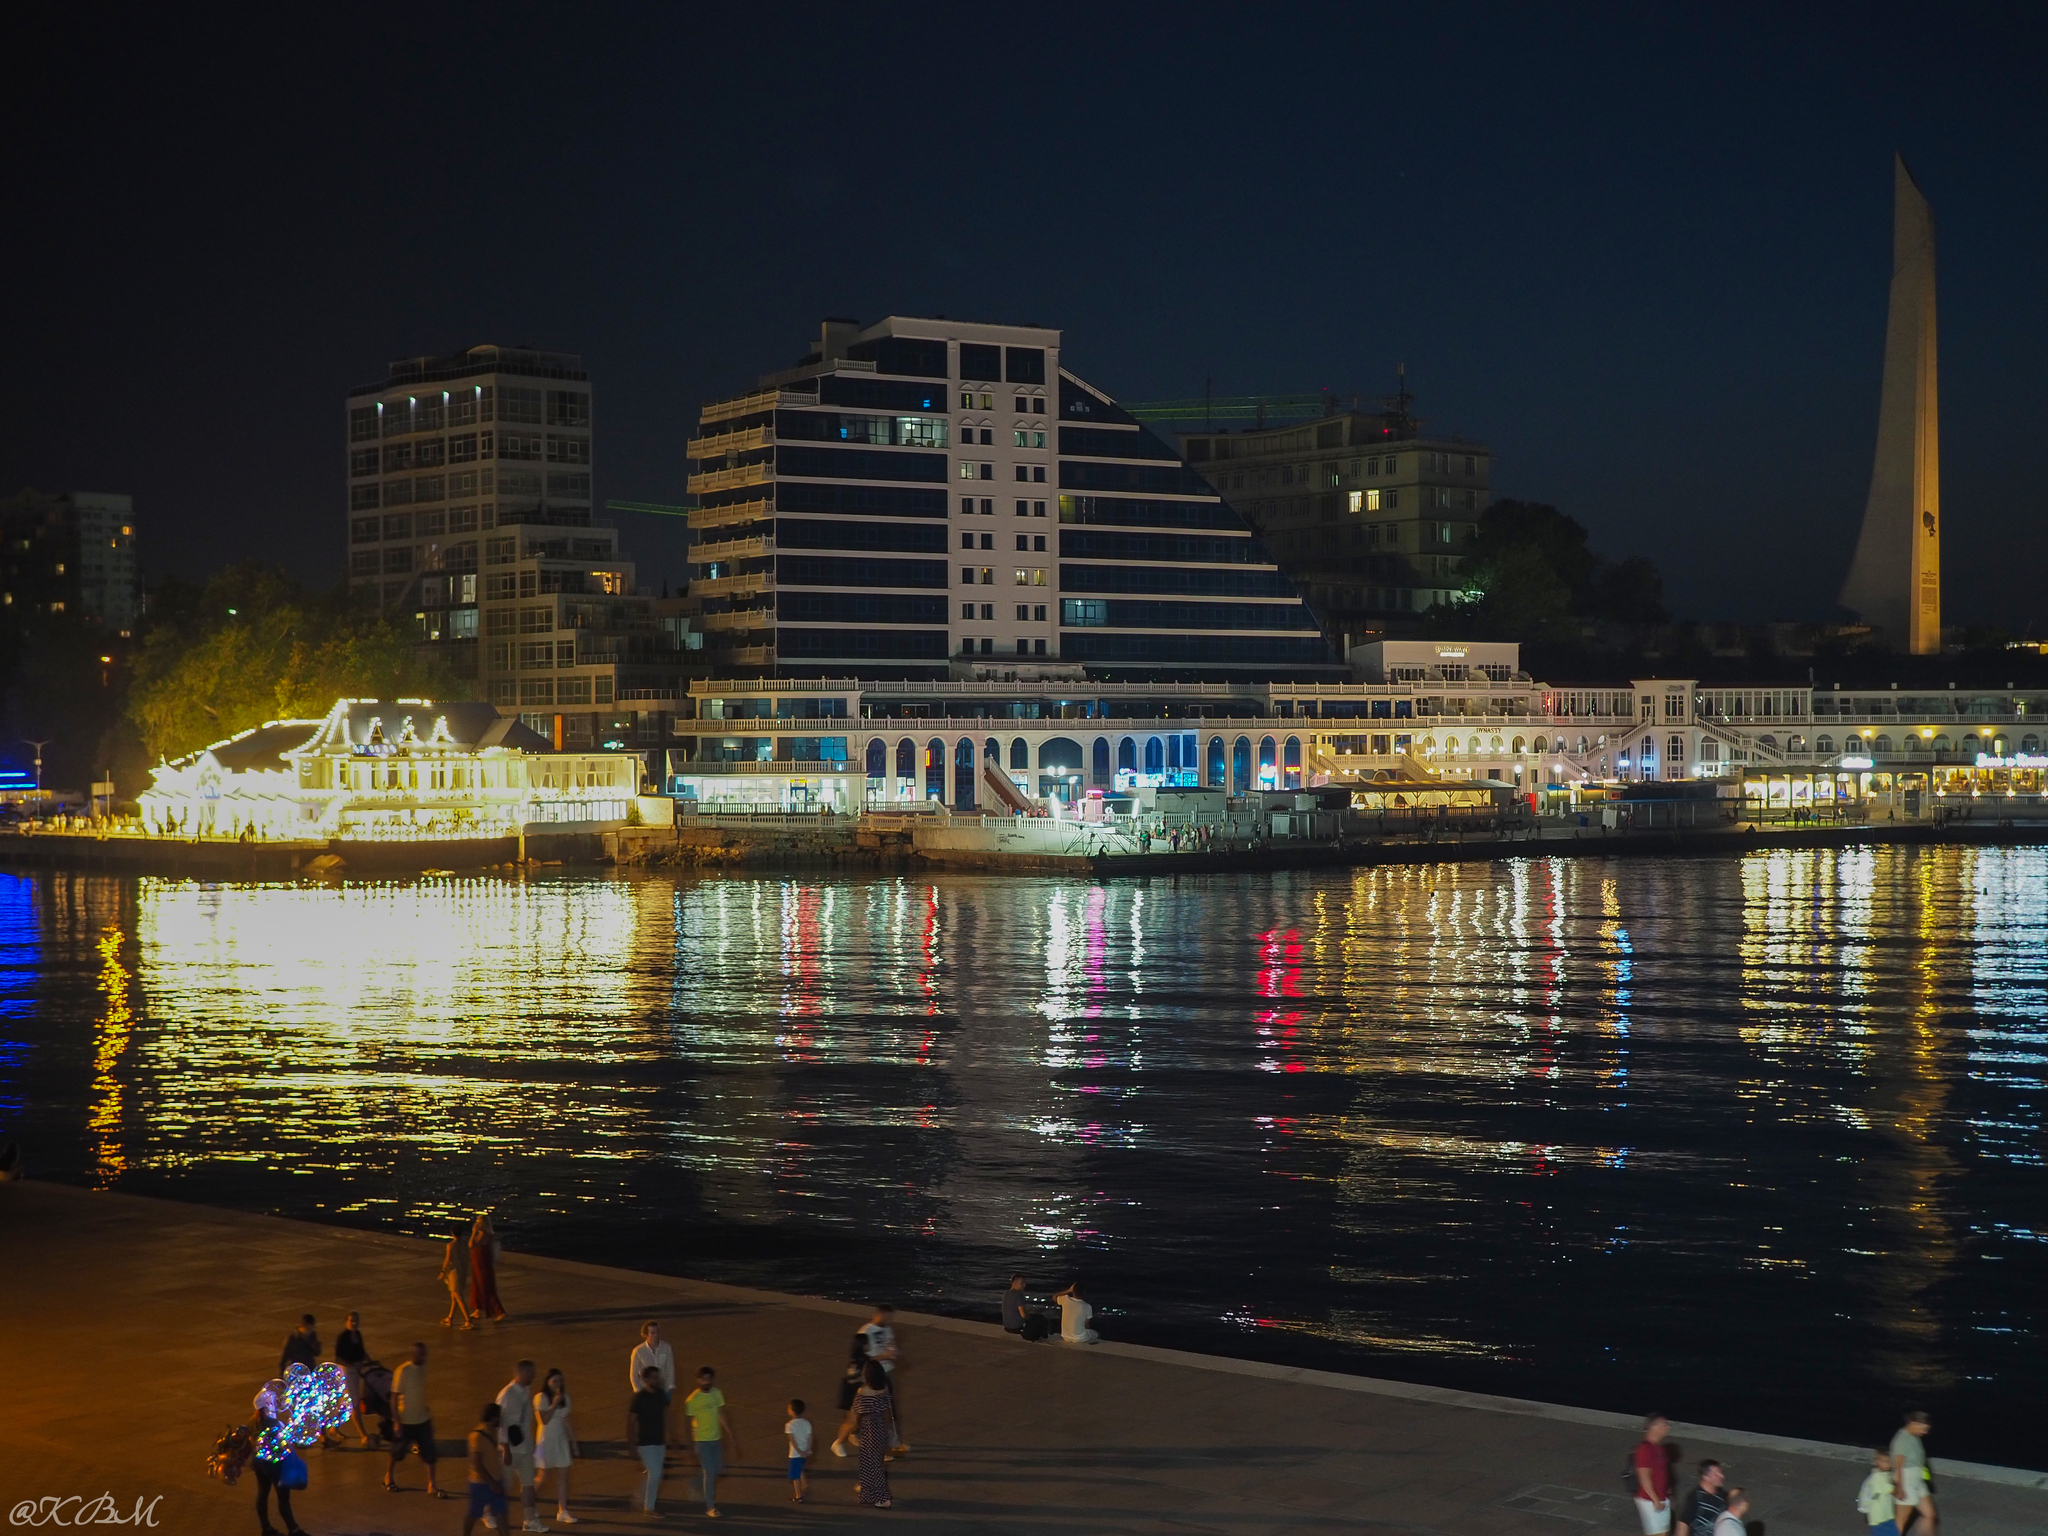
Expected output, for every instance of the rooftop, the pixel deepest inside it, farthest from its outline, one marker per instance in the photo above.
(527, 361)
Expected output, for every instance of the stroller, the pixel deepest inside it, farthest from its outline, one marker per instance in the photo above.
(376, 1382)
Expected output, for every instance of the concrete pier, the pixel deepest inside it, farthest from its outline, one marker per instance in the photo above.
(135, 1329)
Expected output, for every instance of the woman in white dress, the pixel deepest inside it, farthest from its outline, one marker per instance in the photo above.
(554, 1451)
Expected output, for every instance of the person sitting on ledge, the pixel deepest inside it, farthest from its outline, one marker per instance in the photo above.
(1074, 1316)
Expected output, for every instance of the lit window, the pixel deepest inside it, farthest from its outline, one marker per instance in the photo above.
(1023, 578)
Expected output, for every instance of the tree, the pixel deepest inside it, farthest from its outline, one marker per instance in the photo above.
(251, 646)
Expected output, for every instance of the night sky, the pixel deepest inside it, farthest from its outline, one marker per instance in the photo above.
(1641, 252)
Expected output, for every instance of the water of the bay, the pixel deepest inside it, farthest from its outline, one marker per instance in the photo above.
(1757, 1140)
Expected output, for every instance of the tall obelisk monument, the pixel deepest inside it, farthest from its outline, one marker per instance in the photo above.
(1895, 580)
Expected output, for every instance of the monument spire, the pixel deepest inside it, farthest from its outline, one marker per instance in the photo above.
(1895, 579)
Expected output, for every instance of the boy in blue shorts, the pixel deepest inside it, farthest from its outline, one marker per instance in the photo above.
(486, 1472)
(798, 1432)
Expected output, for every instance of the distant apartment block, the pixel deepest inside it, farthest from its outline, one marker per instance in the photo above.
(72, 554)
(1370, 519)
(932, 498)
(470, 513)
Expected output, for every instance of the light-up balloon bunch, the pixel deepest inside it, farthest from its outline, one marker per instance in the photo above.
(312, 1402)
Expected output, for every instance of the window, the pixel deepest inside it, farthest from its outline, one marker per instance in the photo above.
(988, 611)
(397, 457)
(967, 610)
(1038, 509)
(500, 551)
(1392, 496)
(429, 454)
(462, 449)
(362, 423)
(361, 497)
(966, 575)
(988, 541)
(363, 531)
(362, 563)
(520, 405)
(568, 450)
(980, 361)
(1038, 473)
(568, 408)
(1022, 472)
(988, 506)
(537, 655)
(518, 445)
(988, 576)
(1083, 612)
(1020, 405)
(1021, 439)
(397, 561)
(363, 461)
(487, 445)
(967, 506)
(1023, 365)
(1023, 509)
(1023, 577)
(536, 621)
(398, 526)
(1023, 610)
(988, 647)
(1038, 543)
(966, 540)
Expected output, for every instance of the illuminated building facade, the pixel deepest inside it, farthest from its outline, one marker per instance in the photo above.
(388, 771)
(932, 499)
(1421, 709)
(1368, 517)
(71, 554)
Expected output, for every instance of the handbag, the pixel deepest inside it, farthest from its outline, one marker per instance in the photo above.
(291, 1472)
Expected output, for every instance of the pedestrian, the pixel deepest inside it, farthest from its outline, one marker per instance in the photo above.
(647, 1431)
(301, 1347)
(556, 1451)
(1705, 1503)
(709, 1430)
(1877, 1499)
(1074, 1315)
(515, 1433)
(483, 1269)
(880, 1333)
(1652, 1469)
(1729, 1521)
(1018, 1318)
(486, 1473)
(455, 1275)
(1913, 1490)
(653, 1350)
(350, 1355)
(415, 1421)
(798, 1433)
(869, 1427)
(270, 1469)
(849, 1388)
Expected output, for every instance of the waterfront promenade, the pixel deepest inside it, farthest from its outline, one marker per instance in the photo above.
(136, 1328)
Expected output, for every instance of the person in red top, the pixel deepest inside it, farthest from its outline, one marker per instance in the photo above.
(1651, 1464)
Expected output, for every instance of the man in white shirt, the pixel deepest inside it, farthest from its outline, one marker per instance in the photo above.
(515, 1437)
(880, 1333)
(653, 1352)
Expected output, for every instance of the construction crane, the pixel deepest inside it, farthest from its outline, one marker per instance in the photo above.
(659, 508)
(1258, 409)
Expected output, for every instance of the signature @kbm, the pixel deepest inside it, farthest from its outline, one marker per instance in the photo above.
(79, 1509)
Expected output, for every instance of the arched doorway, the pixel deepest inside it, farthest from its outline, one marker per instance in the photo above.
(1241, 766)
(935, 769)
(1213, 776)
(1269, 764)
(963, 775)
(1103, 778)
(1291, 764)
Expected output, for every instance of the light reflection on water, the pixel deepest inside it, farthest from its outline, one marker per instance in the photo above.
(1757, 1139)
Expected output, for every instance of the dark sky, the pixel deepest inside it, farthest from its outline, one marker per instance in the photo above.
(1640, 251)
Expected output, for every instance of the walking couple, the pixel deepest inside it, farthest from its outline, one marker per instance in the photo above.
(469, 1268)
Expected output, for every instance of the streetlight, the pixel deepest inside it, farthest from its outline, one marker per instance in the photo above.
(38, 745)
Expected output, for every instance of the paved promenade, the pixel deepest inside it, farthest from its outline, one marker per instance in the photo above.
(134, 1329)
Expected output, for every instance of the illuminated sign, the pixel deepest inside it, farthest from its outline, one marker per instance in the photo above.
(1855, 762)
(1452, 652)
(2017, 760)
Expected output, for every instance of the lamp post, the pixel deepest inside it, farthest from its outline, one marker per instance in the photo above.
(38, 745)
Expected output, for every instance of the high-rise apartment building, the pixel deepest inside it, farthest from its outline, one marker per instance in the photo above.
(470, 514)
(929, 498)
(1370, 518)
(447, 448)
(71, 554)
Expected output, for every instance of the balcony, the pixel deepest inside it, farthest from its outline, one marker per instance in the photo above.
(731, 479)
(702, 518)
(745, 584)
(743, 405)
(730, 442)
(707, 550)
